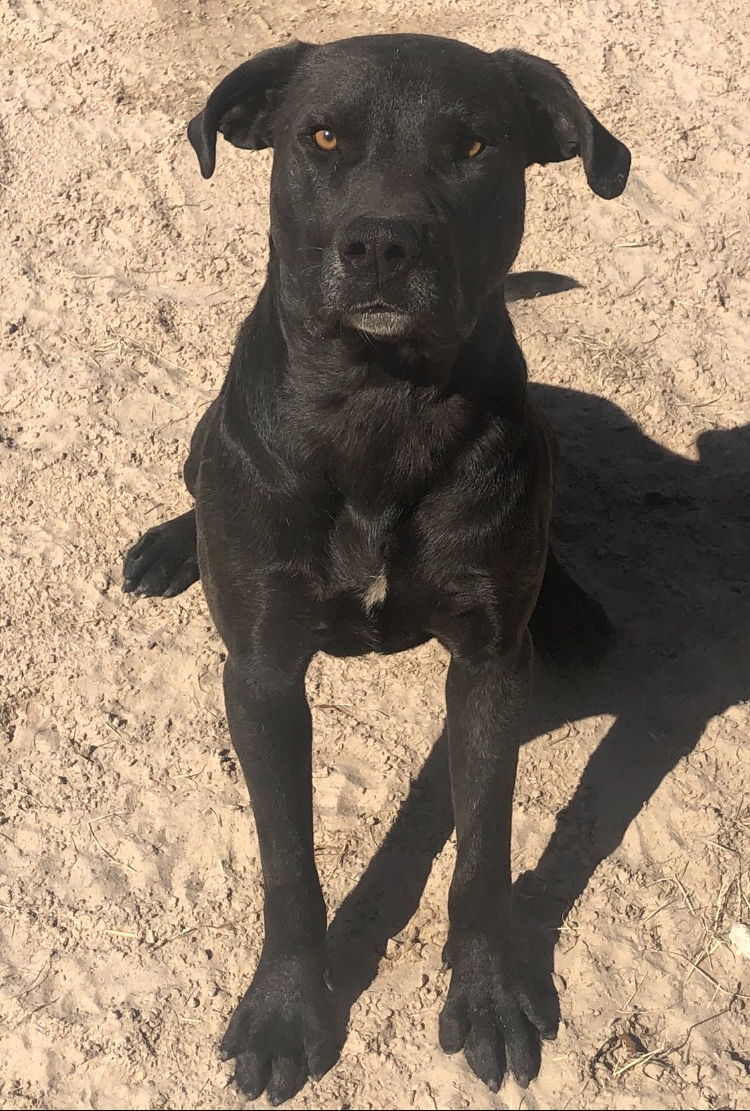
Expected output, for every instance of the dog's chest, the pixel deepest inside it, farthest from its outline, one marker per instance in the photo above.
(384, 458)
(361, 550)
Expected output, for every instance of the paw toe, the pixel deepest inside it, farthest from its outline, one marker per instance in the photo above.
(453, 1026)
(288, 1074)
(484, 1052)
(252, 1072)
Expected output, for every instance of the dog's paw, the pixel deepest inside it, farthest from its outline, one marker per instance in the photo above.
(282, 1031)
(491, 1014)
(568, 626)
(164, 562)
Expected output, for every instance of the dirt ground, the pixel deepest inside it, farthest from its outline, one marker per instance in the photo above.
(129, 876)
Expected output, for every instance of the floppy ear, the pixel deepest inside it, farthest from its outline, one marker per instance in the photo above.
(560, 126)
(241, 106)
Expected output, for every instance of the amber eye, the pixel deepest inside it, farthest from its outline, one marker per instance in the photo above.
(325, 138)
(474, 148)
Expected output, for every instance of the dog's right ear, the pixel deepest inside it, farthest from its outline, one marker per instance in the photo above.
(242, 106)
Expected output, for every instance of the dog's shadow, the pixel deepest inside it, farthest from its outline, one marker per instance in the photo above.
(661, 540)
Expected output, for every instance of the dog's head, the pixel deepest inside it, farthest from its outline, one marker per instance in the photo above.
(397, 196)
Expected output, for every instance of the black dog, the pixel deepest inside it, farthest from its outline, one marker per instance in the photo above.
(374, 474)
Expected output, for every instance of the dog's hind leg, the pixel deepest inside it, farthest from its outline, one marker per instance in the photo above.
(568, 625)
(164, 561)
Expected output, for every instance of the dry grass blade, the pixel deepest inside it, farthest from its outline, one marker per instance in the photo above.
(105, 850)
(660, 1054)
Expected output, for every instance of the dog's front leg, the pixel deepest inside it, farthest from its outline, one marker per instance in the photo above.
(282, 1030)
(488, 1012)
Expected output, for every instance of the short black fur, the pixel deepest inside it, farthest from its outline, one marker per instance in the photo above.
(374, 474)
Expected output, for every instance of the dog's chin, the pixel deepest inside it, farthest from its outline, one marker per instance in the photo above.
(385, 324)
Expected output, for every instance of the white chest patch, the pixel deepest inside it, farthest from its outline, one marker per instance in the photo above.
(376, 592)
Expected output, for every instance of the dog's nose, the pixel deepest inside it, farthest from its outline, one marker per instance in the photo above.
(387, 247)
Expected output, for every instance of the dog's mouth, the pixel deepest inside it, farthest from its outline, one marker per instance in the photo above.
(379, 319)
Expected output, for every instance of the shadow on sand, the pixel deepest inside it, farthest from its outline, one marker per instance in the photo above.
(664, 542)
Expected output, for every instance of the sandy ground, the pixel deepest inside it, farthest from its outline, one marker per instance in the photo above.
(129, 893)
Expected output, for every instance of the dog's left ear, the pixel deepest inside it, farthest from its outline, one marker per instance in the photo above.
(241, 106)
(560, 126)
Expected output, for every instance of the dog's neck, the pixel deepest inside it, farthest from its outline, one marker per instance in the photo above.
(339, 404)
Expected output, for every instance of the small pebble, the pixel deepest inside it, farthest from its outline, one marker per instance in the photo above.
(739, 939)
